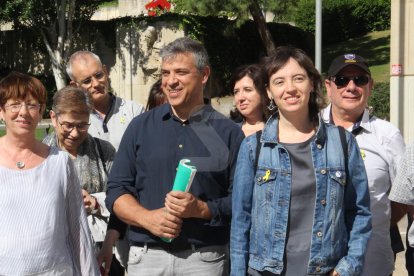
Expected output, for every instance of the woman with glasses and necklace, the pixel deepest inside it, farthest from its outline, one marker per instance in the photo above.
(44, 228)
(92, 156)
(300, 203)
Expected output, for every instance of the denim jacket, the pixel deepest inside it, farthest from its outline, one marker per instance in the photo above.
(342, 219)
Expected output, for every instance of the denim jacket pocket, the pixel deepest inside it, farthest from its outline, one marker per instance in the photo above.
(338, 176)
(263, 209)
(336, 191)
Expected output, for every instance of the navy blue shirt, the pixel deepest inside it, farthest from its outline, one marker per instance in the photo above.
(146, 162)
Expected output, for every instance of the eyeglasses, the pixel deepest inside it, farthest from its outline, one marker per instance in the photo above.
(88, 81)
(16, 107)
(342, 81)
(68, 127)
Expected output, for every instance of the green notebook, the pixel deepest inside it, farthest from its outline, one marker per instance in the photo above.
(183, 179)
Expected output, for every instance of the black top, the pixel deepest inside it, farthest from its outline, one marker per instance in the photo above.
(146, 163)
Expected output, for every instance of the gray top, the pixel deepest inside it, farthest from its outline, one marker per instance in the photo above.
(301, 210)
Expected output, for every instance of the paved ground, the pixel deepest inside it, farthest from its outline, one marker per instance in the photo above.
(400, 262)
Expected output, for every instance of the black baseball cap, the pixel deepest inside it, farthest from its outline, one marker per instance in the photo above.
(342, 61)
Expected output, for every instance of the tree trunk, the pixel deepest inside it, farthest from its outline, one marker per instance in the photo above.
(60, 77)
(260, 21)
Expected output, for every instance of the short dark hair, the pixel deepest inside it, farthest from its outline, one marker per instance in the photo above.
(252, 71)
(275, 62)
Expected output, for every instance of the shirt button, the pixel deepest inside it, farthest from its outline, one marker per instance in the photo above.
(319, 146)
(183, 124)
(180, 146)
(323, 202)
(319, 234)
(318, 269)
(323, 171)
(338, 174)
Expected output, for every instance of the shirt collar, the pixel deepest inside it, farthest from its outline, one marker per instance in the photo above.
(362, 122)
(200, 115)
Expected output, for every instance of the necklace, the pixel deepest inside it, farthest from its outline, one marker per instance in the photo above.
(20, 164)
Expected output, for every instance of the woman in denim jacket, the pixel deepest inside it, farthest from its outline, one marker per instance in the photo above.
(302, 207)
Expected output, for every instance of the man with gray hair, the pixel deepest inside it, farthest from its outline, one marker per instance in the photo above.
(109, 120)
(112, 114)
(140, 183)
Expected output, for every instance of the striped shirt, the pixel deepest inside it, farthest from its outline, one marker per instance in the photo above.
(43, 226)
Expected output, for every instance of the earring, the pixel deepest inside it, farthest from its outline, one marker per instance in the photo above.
(271, 106)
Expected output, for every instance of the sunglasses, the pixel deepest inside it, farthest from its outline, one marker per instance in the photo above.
(342, 81)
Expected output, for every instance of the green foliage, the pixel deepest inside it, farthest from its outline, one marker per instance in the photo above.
(284, 11)
(113, 3)
(43, 13)
(237, 10)
(344, 19)
(380, 100)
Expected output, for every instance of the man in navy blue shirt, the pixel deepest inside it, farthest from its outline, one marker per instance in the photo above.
(141, 179)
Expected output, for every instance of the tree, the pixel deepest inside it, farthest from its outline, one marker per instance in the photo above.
(56, 21)
(239, 10)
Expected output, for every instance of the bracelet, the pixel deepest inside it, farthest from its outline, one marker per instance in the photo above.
(96, 209)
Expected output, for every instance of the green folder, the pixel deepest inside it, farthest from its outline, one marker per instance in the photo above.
(183, 179)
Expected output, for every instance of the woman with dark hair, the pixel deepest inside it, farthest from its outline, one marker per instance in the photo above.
(250, 99)
(300, 196)
(156, 96)
(44, 228)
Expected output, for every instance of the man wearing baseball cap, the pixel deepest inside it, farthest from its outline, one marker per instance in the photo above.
(349, 86)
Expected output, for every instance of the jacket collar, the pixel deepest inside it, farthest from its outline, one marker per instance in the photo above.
(270, 131)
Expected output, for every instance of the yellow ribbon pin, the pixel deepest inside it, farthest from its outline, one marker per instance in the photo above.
(363, 155)
(122, 120)
(266, 177)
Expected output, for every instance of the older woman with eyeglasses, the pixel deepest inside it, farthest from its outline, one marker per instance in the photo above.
(44, 228)
(92, 156)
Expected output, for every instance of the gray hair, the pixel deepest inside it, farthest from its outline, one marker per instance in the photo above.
(185, 45)
(71, 99)
(79, 55)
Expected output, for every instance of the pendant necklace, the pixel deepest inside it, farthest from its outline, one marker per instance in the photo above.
(20, 164)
